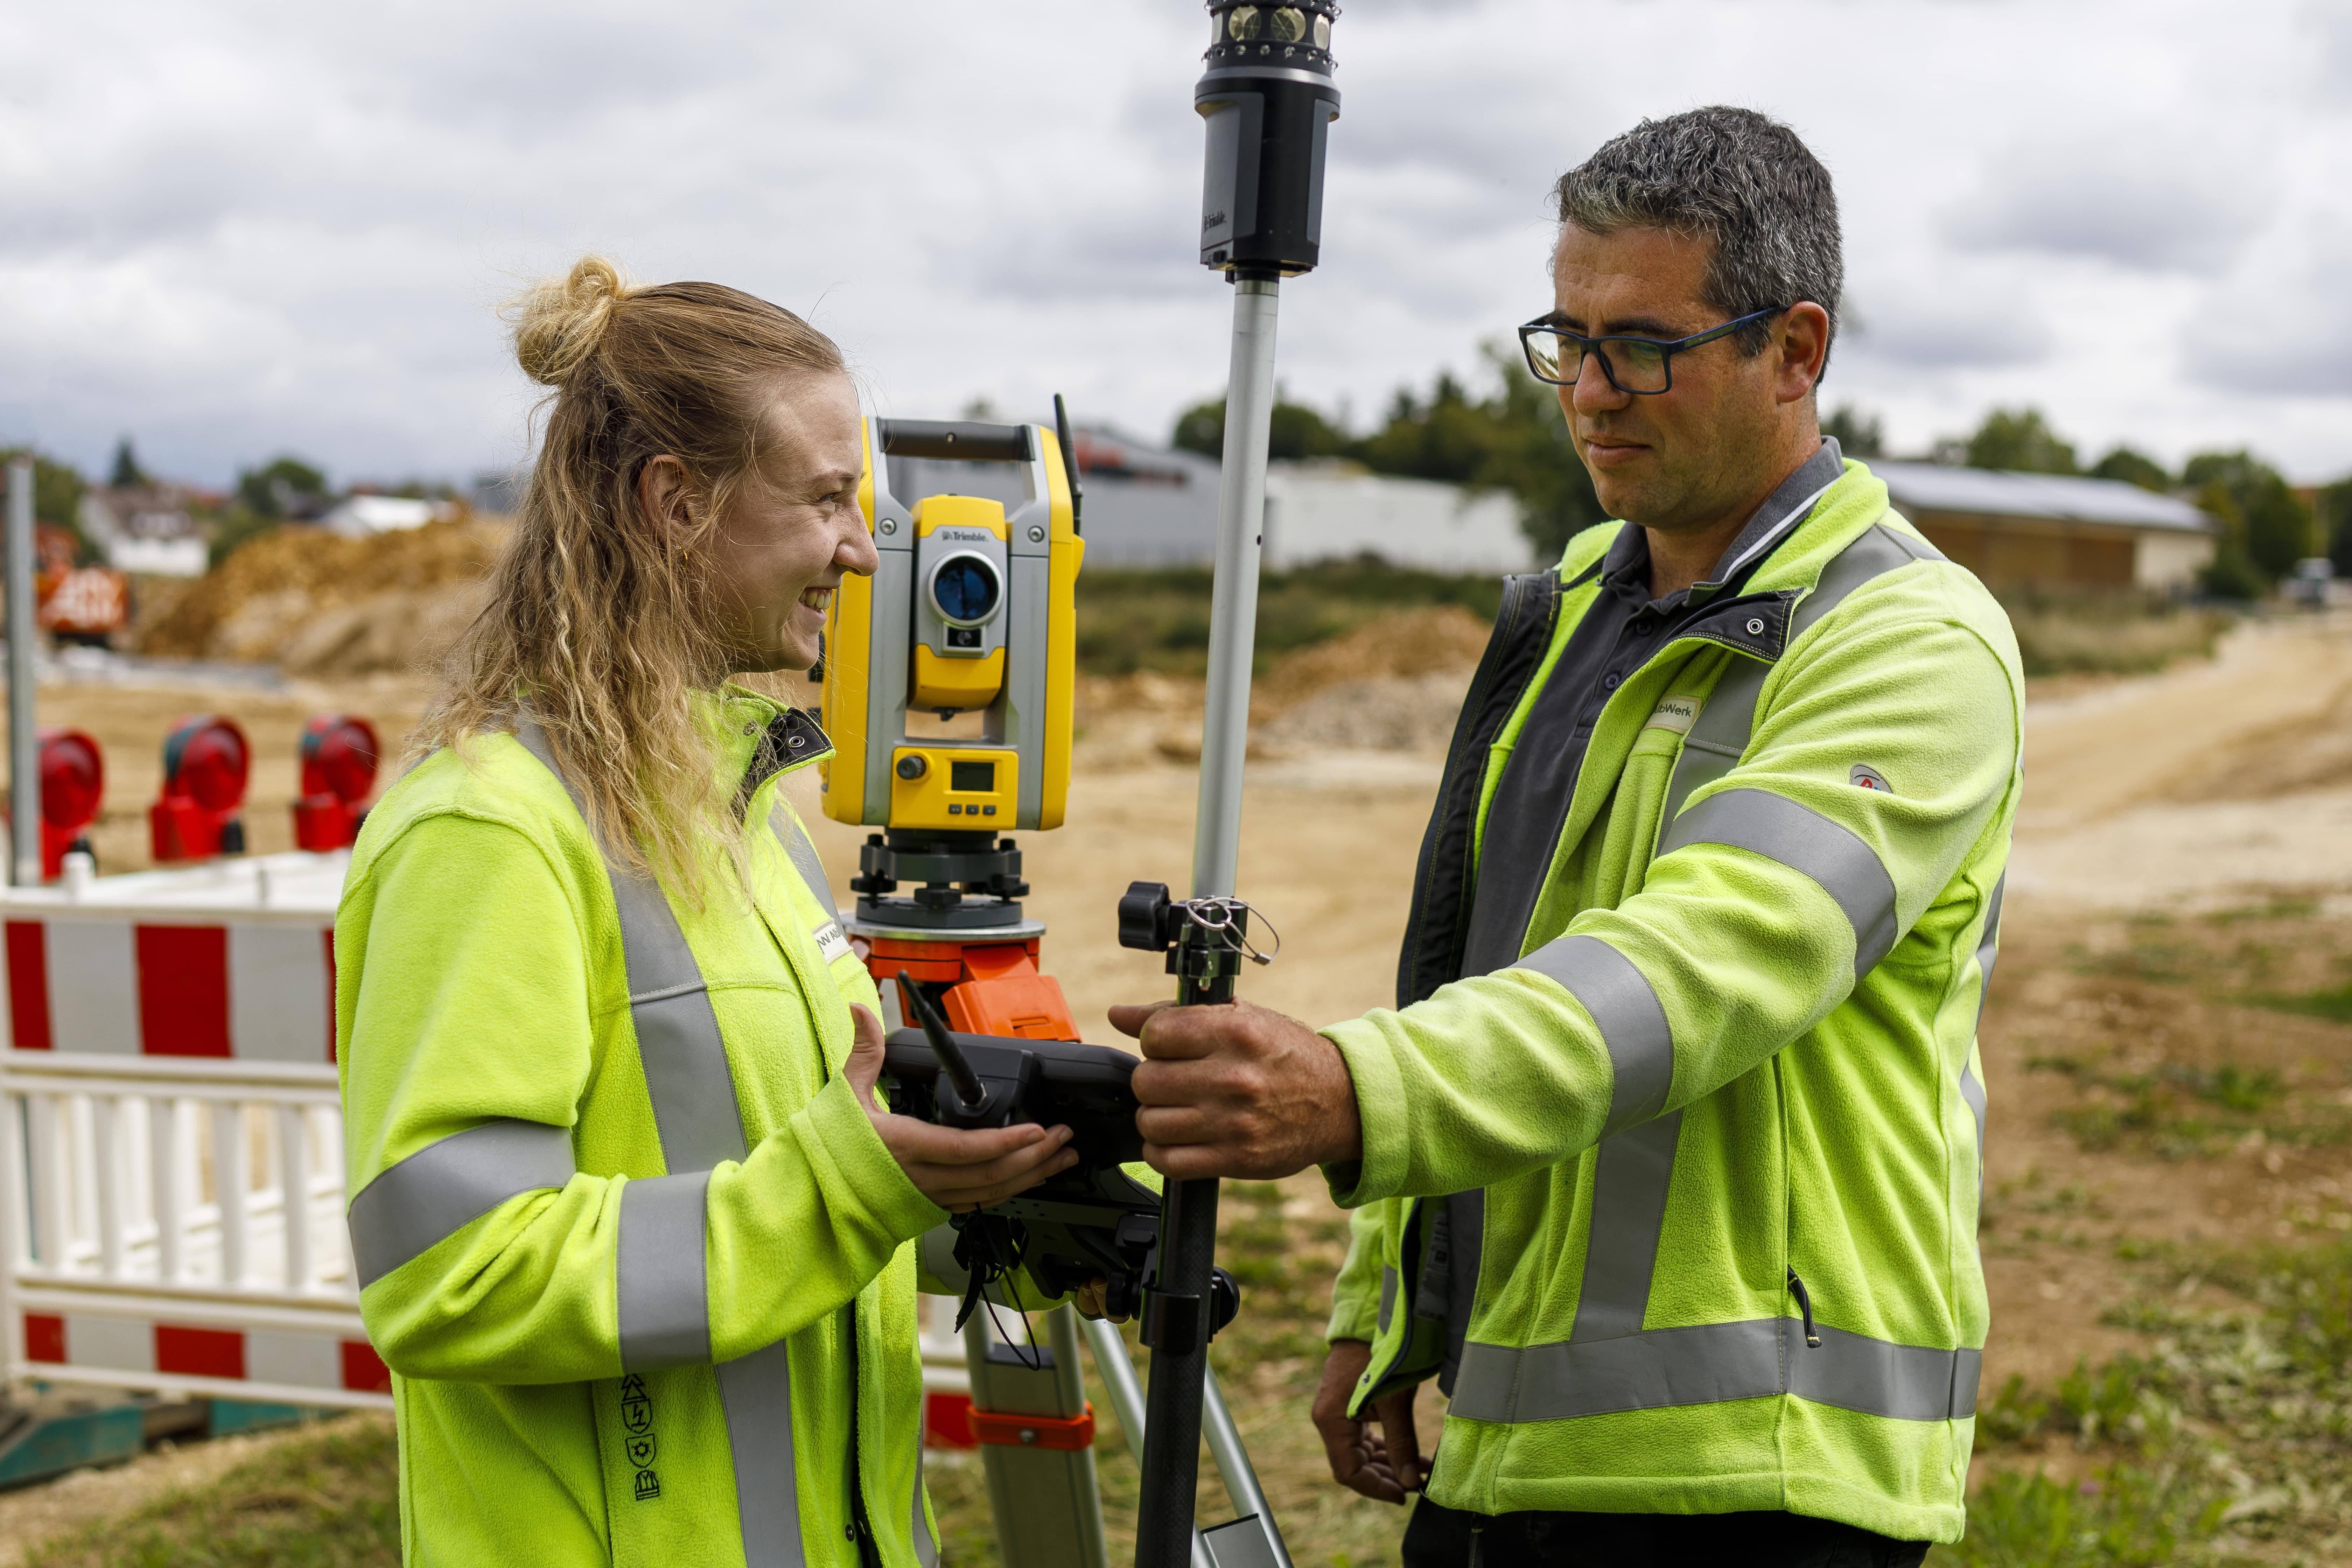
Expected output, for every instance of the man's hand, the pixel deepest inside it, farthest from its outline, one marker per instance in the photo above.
(955, 1169)
(1384, 1466)
(1237, 1091)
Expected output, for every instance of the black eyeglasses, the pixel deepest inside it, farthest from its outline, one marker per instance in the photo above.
(1642, 366)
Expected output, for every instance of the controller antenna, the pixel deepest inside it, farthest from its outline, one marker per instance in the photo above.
(953, 1060)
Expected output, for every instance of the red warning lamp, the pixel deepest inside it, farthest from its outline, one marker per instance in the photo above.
(73, 784)
(339, 756)
(205, 761)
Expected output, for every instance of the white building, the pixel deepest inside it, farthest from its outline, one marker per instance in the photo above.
(146, 529)
(357, 516)
(1335, 512)
(1148, 505)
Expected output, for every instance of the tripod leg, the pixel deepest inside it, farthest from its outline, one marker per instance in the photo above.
(1234, 1468)
(1127, 1398)
(1047, 1506)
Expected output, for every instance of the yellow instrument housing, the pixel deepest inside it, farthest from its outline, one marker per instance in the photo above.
(932, 799)
(879, 665)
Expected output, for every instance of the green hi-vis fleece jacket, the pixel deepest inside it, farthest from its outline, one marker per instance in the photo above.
(640, 1265)
(1726, 1102)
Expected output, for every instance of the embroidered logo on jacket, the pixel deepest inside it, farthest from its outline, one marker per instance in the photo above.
(831, 942)
(1675, 713)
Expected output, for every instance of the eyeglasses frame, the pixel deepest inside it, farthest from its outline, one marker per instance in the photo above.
(1667, 349)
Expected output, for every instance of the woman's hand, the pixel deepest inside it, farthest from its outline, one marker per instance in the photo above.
(955, 1169)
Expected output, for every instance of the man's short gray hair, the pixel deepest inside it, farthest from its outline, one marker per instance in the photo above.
(1737, 177)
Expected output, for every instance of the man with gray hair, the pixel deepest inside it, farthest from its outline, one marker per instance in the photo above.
(1666, 1163)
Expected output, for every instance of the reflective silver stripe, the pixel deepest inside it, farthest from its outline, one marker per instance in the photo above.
(1905, 1382)
(927, 1545)
(1804, 840)
(1388, 1297)
(1625, 1008)
(805, 859)
(1719, 737)
(757, 1392)
(1712, 1363)
(692, 1089)
(1989, 946)
(664, 1302)
(1973, 1092)
(687, 1073)
(1636, 1154)
(446, 1185)
(1631, 1174)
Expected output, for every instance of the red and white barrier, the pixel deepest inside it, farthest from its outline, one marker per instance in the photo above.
(171, 1143)
(171, 1136)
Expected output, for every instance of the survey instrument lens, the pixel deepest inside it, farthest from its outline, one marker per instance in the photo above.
(965, 591)
(1245, 22)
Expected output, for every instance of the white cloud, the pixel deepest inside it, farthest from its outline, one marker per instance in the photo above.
(240, 229)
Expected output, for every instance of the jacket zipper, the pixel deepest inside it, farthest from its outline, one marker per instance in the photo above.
(1805, 1306)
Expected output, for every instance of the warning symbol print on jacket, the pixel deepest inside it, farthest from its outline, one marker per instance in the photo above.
(637, 1417)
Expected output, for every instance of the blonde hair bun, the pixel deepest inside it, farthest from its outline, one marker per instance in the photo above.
(559, 322)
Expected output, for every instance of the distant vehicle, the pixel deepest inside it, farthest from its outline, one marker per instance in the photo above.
(2308, 584)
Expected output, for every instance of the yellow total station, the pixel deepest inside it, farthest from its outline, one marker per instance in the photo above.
(971, 610)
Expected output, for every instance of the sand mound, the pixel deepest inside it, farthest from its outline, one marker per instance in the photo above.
(319, 605)
(1443, 639)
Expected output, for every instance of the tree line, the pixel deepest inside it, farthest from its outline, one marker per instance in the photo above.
(1509, 436)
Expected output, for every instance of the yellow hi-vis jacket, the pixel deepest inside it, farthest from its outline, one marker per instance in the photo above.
(1696, 1171)
(639, 1264)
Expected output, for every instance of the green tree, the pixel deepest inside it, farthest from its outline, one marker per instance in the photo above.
(1294, 431)
(2133, 469)
(1513, 439)
(2269, 523)
(2021, 440)
(285, 487)
(1857, 434)
(2335, 520)
(127, 474)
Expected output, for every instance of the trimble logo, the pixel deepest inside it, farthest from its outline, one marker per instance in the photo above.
(1214, 220)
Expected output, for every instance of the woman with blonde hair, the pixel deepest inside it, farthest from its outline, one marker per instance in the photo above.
(631, 1227)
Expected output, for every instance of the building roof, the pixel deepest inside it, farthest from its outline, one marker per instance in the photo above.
(1933, 487)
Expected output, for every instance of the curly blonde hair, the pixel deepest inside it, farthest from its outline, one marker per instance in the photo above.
(598, 619)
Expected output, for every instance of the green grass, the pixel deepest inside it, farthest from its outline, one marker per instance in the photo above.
(2334, 1004)
(2125, 1517)
(2230, 1433)
(324, 1499)
(1159, 620)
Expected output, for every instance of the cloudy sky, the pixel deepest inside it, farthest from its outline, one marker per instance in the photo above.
(235, 230)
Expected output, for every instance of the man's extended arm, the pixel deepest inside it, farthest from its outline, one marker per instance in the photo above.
(1770, 886)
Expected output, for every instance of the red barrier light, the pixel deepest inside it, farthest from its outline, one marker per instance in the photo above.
(338, 761)
(205, 762)
(73, 785)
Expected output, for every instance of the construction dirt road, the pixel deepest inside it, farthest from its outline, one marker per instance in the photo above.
(2166, 1068)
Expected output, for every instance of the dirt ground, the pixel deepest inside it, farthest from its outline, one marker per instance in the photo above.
(2182, 874)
